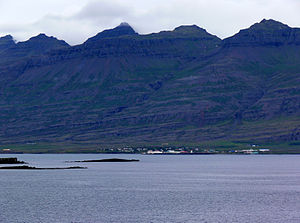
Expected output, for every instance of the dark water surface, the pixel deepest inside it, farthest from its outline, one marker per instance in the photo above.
(215, 188)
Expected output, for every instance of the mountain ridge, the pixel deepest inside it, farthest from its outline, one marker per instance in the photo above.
(124, 26)
(181, 86)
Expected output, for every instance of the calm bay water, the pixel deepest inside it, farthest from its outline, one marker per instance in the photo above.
(214, 188)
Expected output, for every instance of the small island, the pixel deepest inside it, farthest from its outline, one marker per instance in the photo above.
(11, 161)
(37, 168)
(113, 160)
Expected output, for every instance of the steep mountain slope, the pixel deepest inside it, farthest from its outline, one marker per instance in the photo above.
(273, 53)
(15, 57)
(178, 86)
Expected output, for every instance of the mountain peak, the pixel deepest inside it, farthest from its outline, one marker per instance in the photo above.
(6, 42)
(42, 37)
(189, 30)
(7, 37)
(124, 29)
(184, 27)
(269, 24)
(124, 24)
(39, 44)
(265, 33)
(185, 31)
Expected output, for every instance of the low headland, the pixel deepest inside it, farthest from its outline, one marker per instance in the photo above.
(37, 168)
(12, 160)
(26, 167)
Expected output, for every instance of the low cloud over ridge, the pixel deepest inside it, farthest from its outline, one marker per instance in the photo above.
(76, 20)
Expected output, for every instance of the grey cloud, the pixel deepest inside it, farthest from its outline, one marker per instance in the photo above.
(76, 20)
(91, 19)
(102, 9)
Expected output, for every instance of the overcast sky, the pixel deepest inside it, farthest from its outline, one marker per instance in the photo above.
(76, 20)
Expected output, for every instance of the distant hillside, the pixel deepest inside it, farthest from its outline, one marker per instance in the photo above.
(179, 87)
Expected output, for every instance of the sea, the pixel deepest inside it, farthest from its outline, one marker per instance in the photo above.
(159, 188)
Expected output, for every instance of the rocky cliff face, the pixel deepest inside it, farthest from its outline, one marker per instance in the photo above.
(184, 85)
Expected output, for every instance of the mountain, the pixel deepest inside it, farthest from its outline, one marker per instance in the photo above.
(35, 46)
(265, 33)
(180, 87)
(6, 42)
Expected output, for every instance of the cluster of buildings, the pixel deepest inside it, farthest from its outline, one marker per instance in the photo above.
(153, 152)
(250, 151)
(183, 151)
